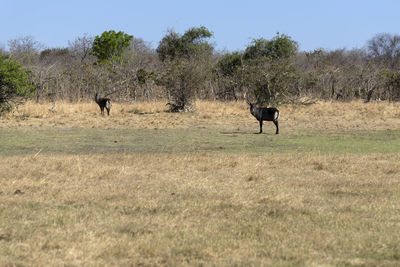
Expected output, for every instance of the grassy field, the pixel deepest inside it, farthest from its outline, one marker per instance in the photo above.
(146, 187)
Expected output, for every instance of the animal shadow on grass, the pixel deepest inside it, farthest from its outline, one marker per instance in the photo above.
(234, 133)
(242, 133)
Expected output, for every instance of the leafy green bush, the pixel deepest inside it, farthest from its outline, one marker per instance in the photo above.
(14, 81)
(186, 65)
(110, 46)
(269, 70)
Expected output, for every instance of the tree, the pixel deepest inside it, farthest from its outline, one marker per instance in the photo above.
(25, 49)
(14, 81)
(392, 84)
(268, 68)
(186, 64)
(229, 63)
(385, 48)
(193, 42)
(110, 46)
(81, 46)
(54, 54)
(279, 47)
(229, 75)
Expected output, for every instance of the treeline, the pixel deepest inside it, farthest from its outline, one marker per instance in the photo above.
(186, 66)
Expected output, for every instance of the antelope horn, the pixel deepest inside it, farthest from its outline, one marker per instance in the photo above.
(245, 96)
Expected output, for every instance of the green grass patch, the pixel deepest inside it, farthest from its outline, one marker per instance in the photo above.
(131, 141)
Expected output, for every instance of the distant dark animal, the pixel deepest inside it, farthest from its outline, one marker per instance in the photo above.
(103, 103)
(264, 114)
(174, 107)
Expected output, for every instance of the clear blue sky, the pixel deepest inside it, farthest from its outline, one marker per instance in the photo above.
(313, 24)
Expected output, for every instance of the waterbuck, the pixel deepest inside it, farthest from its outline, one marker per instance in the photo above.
(103, 103)
(264, 114)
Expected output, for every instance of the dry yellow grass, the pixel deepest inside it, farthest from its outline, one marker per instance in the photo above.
(149, 115)
(221, 209)
(199, 209)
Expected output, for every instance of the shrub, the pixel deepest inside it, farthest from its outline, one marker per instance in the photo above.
(14, 81)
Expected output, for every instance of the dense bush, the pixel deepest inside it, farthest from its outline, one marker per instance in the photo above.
(185, 62)
(14, 81)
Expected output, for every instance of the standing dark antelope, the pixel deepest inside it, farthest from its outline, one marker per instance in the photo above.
(103, 103)
(264, 114)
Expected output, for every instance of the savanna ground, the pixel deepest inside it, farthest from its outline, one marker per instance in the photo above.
(146, 187)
